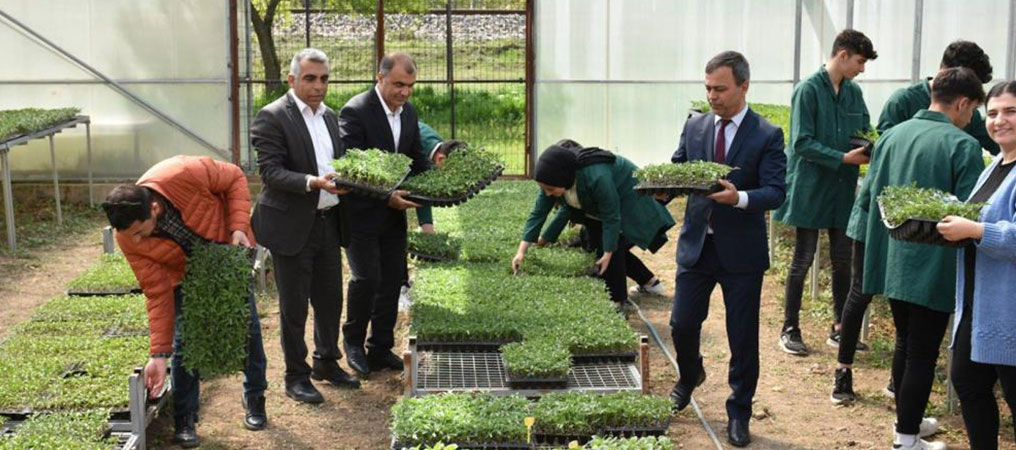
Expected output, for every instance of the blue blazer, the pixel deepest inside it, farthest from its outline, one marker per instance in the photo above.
(739, 234)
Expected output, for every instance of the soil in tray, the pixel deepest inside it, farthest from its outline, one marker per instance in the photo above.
(923, 231)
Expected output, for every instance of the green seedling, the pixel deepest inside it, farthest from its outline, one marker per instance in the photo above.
(901, 203)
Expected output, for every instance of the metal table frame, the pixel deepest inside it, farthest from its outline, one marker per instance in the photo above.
(5, 149)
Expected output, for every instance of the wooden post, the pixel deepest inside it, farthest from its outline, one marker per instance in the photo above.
(644, 362)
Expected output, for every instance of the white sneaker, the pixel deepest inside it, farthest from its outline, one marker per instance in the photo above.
(921, 444)
(929, 426)
(656, 289)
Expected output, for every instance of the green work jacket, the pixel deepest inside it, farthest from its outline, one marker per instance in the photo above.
(927, 151)
(606, 193)
(902, 105)
(820, 188)
(428, 139)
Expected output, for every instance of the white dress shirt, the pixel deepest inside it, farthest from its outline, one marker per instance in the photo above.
(324, 152)
(728, 133)
(394, 118)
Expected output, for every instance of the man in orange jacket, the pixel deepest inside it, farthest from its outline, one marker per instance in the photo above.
(180, 201)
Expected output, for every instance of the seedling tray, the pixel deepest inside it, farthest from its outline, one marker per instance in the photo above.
(460, 346)
(452, 201)
(586, 358)
(658, 429)
(474, 446)
(920, 231)
(535, 383)
(857, 141)
(429, 258)
(102, 292)
(561, 439)
(368, 191)
(677, 191)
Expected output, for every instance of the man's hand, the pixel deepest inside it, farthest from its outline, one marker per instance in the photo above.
(397, 201)
(427, 228)
(155, 376)
(856, 157)
(240, 238)
(728, 196)
(603, 262)
(325, 183)
(956, 228)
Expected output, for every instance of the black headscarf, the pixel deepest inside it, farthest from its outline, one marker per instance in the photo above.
(559, 162)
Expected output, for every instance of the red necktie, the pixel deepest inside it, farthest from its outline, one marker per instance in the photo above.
(721, 143)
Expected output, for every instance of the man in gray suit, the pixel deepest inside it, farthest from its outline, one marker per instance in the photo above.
(298, 218)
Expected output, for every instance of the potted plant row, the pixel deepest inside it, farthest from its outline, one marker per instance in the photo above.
(912, 214)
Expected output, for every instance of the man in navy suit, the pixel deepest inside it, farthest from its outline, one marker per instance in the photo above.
(723, 238)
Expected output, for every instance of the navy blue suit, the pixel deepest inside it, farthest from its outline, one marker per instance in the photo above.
(735, 256)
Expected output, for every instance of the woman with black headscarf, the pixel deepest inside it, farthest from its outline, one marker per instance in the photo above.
(599, 185)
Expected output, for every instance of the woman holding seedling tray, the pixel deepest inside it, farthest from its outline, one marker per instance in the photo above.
(598, 184)
(984, 330)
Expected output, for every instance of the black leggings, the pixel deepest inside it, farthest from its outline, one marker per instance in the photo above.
(975, 386)
(919, 332)
(622, 263)
(853, 311)
(804, 254)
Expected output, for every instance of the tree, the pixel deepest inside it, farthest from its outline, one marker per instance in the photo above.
(263, 14)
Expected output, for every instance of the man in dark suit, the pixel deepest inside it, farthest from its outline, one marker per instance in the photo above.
(381, 118)
(723, 238)
(298, 218)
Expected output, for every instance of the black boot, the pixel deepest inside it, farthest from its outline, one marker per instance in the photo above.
(255, 417)
(186, 434)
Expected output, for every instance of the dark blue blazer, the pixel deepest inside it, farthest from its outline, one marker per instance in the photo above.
(739, 234)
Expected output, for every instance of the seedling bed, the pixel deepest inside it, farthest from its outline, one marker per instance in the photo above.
(658, 429)
(368, 191)
(102, 292)
(423, 257)
(453, 201)
(474, 446)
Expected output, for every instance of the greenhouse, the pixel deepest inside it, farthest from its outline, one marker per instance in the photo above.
(507, 224)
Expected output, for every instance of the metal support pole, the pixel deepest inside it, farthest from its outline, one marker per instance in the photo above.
(915, 64)
(798, 12)
(138, 412)
(950, 391)
(88, 152)
(411, 371)
(306, 22)
(1010, 47)
(850, 14)
(12, 241)
(379, 36)
(108, 246)
(450, 64)
(56, 181)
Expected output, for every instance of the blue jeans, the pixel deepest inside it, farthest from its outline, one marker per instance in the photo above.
(186, 385)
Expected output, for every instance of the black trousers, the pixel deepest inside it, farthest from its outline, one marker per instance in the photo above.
(622, 263)
(853, 311)
(919, 332)
(377, 260)
(804, 255)
(741, 297)
(315, 273)
(975, 386)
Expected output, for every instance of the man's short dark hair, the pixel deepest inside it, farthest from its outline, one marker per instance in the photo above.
(389, 61)
(126, 204)
(855, 43)
(951, 84)
(970, 55)
(737, 63)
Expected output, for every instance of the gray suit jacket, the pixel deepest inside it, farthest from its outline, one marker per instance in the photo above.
(284, 212)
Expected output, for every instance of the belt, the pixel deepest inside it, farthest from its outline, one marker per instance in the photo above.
(322, 213)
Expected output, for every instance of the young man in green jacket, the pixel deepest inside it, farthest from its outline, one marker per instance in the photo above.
(929, 151)
(827, 109)
(902, 105)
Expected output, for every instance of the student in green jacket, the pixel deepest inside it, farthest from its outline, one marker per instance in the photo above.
(929, 151)
(436, 149)
(600, 185)
(902, 105)
(827, 109)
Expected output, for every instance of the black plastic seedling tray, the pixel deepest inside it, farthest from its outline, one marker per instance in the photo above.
(858, 141)
(452, 201)
(369, 191)
(424, 257)
(535, 383)
(678, 191)
(923, 231)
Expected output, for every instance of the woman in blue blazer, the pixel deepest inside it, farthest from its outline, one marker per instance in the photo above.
(984, 331)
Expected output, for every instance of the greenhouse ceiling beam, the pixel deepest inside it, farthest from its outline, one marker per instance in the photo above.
(915, 63)
(115, 86)
(125, 81)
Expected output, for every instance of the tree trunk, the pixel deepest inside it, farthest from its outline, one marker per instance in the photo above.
(269, 58)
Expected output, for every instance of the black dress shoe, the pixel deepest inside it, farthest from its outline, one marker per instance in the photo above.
(304, 392)
(186, 434)
(331, 372)
(681, 394)
(255, 417)
(737, 433)
(381, 360)
(357, 359)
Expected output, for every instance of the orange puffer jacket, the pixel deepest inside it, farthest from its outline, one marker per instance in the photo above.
(214, 201)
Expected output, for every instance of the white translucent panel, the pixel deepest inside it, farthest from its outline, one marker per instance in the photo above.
(124, 39)
(821, 21)
(570, 110)
(890, 26)
(876, 93)
(570, 39)
(126, 139)
(982, 21)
